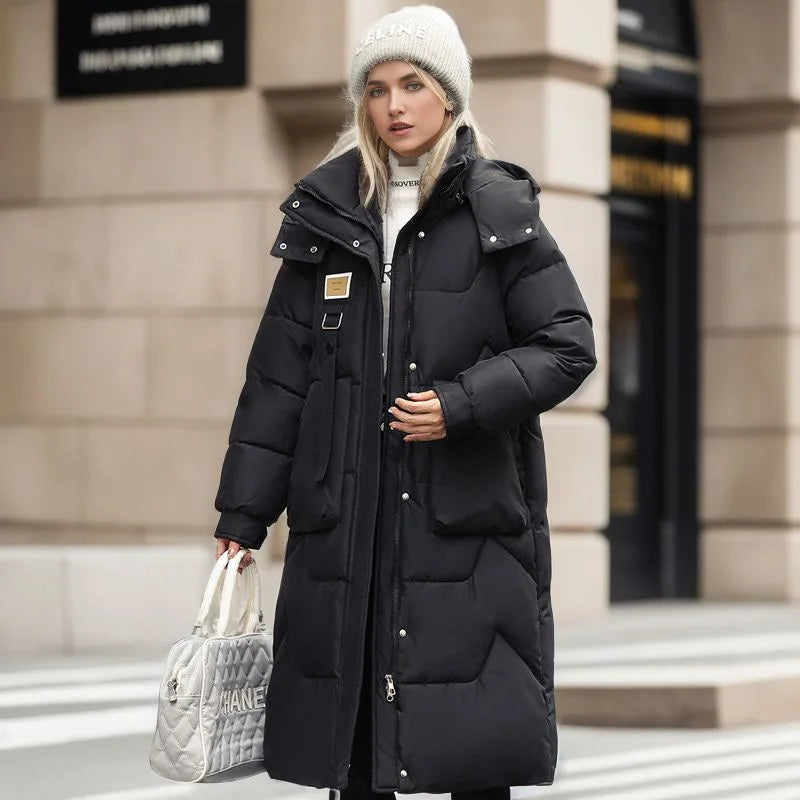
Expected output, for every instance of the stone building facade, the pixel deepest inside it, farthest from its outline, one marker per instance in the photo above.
(134, 231)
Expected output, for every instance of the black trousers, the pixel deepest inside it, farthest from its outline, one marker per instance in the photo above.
(360, 777)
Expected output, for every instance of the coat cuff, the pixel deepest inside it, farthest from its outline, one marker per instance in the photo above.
(456, 408)
(239, 527)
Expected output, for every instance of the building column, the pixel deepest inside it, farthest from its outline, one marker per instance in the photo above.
(750, 317)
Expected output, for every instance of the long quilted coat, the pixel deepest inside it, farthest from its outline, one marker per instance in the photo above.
(486, 311)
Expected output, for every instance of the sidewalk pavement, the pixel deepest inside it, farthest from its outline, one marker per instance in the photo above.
(692, 664)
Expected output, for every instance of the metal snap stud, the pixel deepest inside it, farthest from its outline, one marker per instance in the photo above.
(313, 248)
(402, 631)
(421, 234)
(403, 773)
(296, 204)
(492, 238)
(528, 230)
(283, 245)
(412, 365)
(356, 243)
(405, 495)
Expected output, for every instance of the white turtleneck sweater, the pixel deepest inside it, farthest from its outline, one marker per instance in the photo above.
(402, 202)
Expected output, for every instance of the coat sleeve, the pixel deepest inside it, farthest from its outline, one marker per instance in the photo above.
(254, 483)
(552, 350)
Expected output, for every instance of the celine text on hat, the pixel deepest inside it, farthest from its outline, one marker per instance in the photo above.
(394, 30)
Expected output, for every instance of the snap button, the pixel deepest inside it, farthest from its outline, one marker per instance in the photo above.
(492, 238)
(283, 245)
(296, 204)
(313, 248)
(421, 234)
(356, 243)
(403, 773)
(405, 495)
(402, 631)
(528, 230)
(412, 365)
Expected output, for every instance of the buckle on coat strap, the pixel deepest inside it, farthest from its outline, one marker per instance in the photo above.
(338, 321)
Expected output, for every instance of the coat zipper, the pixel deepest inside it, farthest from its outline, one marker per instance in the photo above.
(388, 677)
(390, 690)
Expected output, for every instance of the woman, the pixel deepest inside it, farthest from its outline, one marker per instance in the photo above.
(413, 633)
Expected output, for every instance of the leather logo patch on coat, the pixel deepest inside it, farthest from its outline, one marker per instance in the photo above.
(337, 285)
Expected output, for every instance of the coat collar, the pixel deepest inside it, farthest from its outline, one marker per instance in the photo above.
(336, 181)
(503, 196)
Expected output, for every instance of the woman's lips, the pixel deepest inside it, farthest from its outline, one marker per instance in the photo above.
(401, 131)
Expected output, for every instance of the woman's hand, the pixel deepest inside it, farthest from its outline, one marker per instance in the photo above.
(233, 548)
(421, 418)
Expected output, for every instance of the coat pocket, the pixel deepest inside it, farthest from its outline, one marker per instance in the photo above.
(315, 484)
(475, 487)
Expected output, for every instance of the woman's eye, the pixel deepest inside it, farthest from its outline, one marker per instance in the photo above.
(413, 85)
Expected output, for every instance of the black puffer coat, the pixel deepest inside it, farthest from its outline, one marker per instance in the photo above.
(485, 310)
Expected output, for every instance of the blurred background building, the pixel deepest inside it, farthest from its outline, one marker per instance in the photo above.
(144, 150)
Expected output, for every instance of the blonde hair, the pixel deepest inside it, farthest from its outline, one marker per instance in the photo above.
(360, 132)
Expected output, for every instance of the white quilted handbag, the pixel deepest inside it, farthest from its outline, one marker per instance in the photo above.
(211, 702)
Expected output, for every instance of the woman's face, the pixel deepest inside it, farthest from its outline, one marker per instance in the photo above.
(395, 95)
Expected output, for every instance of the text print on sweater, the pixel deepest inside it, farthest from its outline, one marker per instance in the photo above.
(402, 204)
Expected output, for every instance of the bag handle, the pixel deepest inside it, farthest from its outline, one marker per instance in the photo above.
(224, 597)
(210, 591)
(252, 616)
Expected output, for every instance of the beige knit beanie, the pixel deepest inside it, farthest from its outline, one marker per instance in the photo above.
(425, 35)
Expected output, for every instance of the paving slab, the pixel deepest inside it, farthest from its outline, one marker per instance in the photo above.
(686, 664)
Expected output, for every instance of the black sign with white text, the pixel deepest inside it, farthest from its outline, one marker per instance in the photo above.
(120, 46)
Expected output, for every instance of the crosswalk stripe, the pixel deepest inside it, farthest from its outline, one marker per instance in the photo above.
(187, 789)
(722, 743)
(680, 789)
(764, 793)
(94, 693)
(663, 774)
(148, 793)
(39, 731)
(67, 675)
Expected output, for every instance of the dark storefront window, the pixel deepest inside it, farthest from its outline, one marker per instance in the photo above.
(652, 393)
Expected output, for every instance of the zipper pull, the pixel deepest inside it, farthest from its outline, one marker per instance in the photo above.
(172, 686)
(390, 692)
